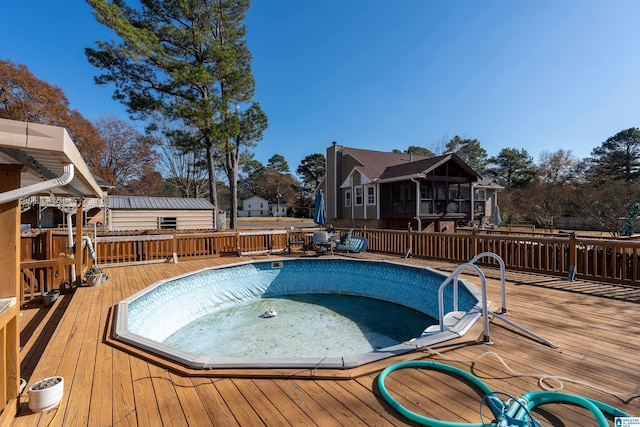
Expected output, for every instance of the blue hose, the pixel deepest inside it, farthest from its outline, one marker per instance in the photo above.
(519, 414)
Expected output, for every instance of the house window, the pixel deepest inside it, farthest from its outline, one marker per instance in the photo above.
(168, 223)
(359, 195)
(371, 195)
(481, 195)
(347, 198)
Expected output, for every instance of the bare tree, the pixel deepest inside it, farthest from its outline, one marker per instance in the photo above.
(127, 156)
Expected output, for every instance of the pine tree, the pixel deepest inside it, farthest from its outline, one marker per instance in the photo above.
(189, 62)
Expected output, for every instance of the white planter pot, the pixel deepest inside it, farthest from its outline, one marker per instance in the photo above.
(44, 399)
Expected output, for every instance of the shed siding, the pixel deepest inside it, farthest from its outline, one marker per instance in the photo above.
(148, 219)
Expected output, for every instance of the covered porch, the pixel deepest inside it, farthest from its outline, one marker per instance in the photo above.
(35, 160)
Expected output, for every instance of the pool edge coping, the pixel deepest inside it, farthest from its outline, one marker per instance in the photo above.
(121, 333)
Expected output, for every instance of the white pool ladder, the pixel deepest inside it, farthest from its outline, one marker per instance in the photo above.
(449, 319)
(445, 323)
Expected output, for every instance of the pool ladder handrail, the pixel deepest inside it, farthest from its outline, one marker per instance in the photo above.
(453, 277)
(503, 288)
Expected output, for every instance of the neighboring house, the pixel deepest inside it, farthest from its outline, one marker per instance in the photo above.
(396, 190)
(257, 206)
(278, 208)
(151, 213)
(254, 206)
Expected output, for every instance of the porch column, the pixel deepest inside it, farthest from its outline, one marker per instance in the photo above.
(79, 252)
(472, 198)
(418, 198)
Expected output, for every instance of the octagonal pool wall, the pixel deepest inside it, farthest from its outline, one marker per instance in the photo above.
(147, 318)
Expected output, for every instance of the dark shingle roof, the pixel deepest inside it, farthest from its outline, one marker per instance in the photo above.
(413, 168)
(157, 203)
(373, 163)
(487, 183)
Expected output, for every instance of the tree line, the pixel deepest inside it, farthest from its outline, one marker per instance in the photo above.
(151, 163)
(600, 189)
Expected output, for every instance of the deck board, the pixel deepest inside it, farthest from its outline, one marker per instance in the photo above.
(288, 407)
(242, 411)
(107, 385)
(256, 397)
(217, 409)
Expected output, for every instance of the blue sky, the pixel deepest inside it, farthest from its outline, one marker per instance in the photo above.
(528, 74)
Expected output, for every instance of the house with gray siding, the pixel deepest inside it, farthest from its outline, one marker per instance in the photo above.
(397, 190)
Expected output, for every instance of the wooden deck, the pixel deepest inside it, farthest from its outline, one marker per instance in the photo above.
(595, 325)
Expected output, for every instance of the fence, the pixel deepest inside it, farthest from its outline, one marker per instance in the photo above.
(140, 249)
(565, 255)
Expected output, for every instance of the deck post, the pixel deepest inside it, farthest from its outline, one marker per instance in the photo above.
(474, 242)
(174, 247)
(573, 253)
(10, 287)
(78, 253)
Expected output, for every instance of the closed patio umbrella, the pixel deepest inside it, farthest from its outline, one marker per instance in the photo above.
(319, 214)
(497, 220)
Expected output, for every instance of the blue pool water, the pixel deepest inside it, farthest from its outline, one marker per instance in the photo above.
(307, 325)
(330, 310)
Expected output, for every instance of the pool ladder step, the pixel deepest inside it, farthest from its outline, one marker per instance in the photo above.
(450, 320)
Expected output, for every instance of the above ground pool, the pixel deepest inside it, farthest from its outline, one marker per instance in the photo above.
(293, 313)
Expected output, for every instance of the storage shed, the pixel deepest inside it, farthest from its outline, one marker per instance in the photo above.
(156, 213)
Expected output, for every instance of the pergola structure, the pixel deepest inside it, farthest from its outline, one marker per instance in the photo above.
(35, 160)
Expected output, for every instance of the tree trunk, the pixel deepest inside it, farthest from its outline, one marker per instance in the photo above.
(213, 191)
(232, 175)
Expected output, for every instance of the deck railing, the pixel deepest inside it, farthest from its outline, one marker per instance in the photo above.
(599, 259)
(44, 275)
(140, 249)
(565, 255)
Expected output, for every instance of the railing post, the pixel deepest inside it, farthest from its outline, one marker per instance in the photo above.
(174, 247)
(48, 244)
(573, 255)
(62, 274)
(474, 242)
(409, 242)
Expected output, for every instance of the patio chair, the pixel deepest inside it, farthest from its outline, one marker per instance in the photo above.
(322, 242)
(349, 243)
